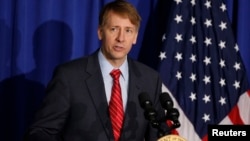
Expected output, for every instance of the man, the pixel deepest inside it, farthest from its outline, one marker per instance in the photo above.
(76, 107)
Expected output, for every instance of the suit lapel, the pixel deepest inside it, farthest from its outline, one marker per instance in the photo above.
(97, 92)
(131, 113)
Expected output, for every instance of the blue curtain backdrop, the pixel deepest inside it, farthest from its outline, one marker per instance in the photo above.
(36, 35)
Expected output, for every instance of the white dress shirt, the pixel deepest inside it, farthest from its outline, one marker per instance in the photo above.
(106, 68)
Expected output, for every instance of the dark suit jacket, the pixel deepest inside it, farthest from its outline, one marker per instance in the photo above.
(76, 109)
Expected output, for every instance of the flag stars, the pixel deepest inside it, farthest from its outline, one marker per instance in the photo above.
(222, 82)
(206, 98)
(206, 79)
(178, 56)
(192, 96)
(192, 2)
(207, 60)
(193, 77)
(163, 37)
(222, 63)
(178, 75)
(178, 37)
(237, 66)
(208, 41)
(222, 101)
(178, 1)
(208, 4)
(206, 117)
(193, 58)
(208, 23)
(192, 39)
(222, 44)
(223, 25)
(193, 20)
(223, 7)
(162, 55)
(236, 84)
(178, 18)
(236, 47)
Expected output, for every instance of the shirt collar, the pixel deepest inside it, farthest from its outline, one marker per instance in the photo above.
(106, 67)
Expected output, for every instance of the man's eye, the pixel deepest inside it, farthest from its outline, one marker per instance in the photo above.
(129, 31)
(113, 29)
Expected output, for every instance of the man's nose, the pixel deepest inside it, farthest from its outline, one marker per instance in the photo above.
(120, 36)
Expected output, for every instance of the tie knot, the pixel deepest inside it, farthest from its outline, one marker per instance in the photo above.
(115, 73)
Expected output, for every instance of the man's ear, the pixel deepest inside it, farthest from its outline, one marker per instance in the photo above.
(100, 33)
(135, 38)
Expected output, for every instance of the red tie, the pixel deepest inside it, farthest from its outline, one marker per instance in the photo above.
(115, 105)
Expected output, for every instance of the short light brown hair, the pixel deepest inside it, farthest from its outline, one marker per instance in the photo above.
(123, 8)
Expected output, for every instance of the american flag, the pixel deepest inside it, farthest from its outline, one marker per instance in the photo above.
(201, 67)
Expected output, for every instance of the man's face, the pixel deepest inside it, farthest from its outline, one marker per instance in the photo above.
(118, 35)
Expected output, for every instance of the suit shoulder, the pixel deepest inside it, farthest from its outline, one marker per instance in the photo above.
(74, 62)
(74, 66)
(143, 67)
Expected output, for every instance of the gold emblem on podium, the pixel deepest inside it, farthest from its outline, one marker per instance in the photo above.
(171, 138)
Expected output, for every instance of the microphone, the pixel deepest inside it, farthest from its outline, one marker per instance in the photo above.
(172, 113)
(149, 112)
(166, 101)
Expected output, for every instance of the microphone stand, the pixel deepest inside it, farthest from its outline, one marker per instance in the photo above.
(155, 124)
(173, 115)
(150, 114)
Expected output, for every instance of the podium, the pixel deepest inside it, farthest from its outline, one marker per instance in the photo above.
(171, 138)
